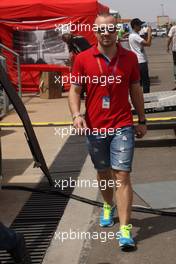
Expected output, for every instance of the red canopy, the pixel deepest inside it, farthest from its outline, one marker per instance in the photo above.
(16, 15)
(45, 9)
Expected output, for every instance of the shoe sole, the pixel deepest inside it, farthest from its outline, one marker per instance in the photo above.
(127, 247)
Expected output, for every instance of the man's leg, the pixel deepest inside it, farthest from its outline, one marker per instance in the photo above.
(107, 193)
(174, 60)
(124, 196)
(106, 188)
(122, 149)
(99, 150)
(145, 79)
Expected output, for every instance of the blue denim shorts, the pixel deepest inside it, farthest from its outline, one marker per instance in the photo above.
(112, 151)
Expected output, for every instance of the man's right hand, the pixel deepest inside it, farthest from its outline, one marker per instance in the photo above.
(79, 122)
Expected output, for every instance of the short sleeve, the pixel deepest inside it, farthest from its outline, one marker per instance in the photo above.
(77, 71)
(135, 71)
(138, 39)
(171, 32)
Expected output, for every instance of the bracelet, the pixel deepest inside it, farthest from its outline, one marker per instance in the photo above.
(142, 122)
(76, 115)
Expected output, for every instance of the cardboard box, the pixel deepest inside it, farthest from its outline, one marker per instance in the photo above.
(50, 88)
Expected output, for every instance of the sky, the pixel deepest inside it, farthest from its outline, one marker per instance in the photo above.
(147, 10)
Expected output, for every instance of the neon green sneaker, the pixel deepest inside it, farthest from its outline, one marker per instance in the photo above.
(125, 238)
(106, 216)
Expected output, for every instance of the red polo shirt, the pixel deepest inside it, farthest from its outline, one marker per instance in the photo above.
(124, 67)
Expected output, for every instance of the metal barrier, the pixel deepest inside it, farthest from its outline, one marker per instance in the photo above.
(4, 101)
(5, 105)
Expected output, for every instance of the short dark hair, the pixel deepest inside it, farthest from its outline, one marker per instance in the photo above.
(105, 15)
(136, 22)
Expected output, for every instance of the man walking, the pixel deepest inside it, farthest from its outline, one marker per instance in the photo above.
(108, 108)
(172, 39)
(137, 44)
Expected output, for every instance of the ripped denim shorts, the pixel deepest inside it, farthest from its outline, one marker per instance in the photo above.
(112, 151)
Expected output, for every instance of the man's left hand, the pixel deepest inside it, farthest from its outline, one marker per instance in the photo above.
(140, 131)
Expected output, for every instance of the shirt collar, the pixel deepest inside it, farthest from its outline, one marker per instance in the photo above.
(120, 51)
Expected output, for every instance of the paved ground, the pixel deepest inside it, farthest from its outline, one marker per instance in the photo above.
(155, 234)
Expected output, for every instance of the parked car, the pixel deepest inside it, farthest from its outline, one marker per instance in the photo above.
(154, 32)
(161, 32)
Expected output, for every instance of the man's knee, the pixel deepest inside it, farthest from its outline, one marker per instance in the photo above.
(122, 176)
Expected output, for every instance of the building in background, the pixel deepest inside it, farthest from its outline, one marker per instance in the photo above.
(163, 21)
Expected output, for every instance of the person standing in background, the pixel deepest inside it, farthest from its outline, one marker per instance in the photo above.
(75, 44)
(172, 39)
(137, 44)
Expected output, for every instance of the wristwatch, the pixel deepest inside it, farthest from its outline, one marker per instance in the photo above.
(143, 122)
(76, 115)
